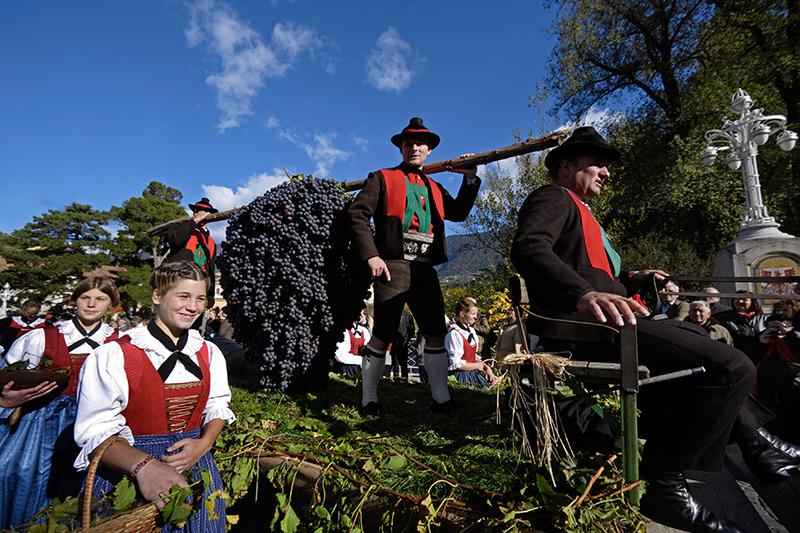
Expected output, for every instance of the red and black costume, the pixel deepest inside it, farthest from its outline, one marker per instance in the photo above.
(384, 199)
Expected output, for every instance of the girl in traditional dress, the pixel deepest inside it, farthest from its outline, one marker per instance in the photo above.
(348, 351)
(164, 391)
(42, 443)
(461, 343)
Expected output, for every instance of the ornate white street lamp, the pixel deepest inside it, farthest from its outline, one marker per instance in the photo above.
(742, 137)
(5, 295)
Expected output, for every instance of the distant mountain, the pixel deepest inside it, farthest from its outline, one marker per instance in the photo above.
(467, 256)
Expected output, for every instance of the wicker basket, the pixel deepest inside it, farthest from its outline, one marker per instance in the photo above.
(139, 520)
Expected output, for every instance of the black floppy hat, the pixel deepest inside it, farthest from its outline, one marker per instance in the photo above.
(203, 205)
(416, 129)
(583, 139)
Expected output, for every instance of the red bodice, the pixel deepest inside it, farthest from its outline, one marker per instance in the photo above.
(355, 342)
(157, 408)
(55, 349)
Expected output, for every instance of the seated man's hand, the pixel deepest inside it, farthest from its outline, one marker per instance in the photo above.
(604, 306)
(642, 276)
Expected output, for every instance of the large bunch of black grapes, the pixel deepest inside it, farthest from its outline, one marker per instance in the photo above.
(291, 280)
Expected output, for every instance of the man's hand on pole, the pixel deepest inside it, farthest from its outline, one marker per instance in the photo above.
(378, 267)
(604, 306)
(470, 173)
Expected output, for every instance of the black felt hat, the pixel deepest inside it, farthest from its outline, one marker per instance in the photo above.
(203, 205)
(416, 129)
(583, 139)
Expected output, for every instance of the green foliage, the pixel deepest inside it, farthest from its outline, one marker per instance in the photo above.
(415, 472)
(53, 250)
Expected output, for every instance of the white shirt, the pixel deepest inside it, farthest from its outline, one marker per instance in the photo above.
(454, 345)
(30, 346)
(103, 388)
(343, 354)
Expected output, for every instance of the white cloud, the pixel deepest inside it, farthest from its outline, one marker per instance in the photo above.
(225, 198)
(600, 118)
(319, 147)
(361, 143)
(246, 59)
(294, 40)
(392, 64)
(324, 153)
(508, 167)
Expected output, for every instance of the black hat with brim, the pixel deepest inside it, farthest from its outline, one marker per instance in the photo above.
(416, 130)
(583, 140)
(203, 205)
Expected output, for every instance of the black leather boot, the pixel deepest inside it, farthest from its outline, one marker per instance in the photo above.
(769, 457)
(668, 501)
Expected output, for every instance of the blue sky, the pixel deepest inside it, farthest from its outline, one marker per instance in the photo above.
(214, 99)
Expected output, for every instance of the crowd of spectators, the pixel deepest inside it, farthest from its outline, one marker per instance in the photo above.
(771, 341)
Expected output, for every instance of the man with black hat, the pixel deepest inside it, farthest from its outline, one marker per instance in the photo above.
(409, 210)
(572, 272)
(191, 241)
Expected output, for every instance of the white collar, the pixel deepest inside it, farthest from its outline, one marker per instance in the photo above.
(141, 338)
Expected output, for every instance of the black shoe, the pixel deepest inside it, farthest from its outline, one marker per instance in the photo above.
(668, 502)
(442, 408)
(769, 457)
(371, 410)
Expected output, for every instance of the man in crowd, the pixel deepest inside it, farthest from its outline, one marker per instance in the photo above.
(717, 307)
(700, 314)
(572, 272)
(671, 306)
(409, 210)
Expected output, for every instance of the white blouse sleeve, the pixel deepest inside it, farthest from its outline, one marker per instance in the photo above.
(342, 348)
(367, 335)
(219, 395)
(455, 349)
(29, 347)
(102, 396)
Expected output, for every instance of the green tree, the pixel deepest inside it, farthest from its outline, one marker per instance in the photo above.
(52, 251)
(133, 248)
(626, 52)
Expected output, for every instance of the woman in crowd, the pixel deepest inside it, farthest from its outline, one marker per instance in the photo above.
(779, 370)
(164, 391)
(745, 322)
(36, 457)
(461, 343)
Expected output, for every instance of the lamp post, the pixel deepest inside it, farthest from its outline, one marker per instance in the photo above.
(742, 137)
(5, 295)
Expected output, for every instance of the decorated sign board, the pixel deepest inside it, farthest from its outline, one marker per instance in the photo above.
(775, 265)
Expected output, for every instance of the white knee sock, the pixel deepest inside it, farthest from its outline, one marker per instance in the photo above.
(436, 363)
(371, 370)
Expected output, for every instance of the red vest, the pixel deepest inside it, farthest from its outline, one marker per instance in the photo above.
(395, 181)
(593, 237)
(157, 408)
(55, 348)
(22, 330)
(198, 244)
(355, 342)
(470, 351)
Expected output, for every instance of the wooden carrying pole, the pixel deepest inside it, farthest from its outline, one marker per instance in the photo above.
(525, 147)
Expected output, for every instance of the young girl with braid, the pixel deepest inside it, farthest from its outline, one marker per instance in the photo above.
(164, 391)
(36, 456)
(461, 343)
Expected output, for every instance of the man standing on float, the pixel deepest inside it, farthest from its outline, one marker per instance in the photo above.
(409, 210)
